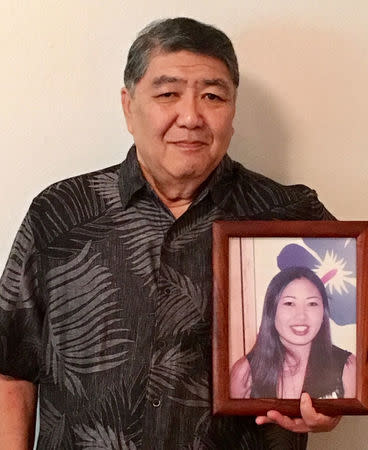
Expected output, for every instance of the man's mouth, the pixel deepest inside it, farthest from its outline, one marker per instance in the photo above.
(300, 330)
(189, 145)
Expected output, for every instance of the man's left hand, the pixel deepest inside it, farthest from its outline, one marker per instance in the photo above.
(311, 420)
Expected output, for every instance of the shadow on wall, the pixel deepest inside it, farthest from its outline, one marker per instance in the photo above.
(261, 135)
(302, 108)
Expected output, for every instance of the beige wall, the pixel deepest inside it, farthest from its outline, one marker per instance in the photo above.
(302, 113)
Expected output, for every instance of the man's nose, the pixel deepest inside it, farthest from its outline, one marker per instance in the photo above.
(189, 114)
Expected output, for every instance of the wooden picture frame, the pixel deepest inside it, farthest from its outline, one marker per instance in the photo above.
(223, 233)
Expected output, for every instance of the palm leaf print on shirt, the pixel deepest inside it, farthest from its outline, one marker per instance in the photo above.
(121, 404)
(167, 368)
(143, 228)
(84, 338)
(191, 228)
(180, 305)
(107, 186)
(53, 424)
(68, 215)
(100, 438)
(198, 397)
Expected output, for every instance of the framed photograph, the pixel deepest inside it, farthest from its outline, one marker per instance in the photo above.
(290, 316)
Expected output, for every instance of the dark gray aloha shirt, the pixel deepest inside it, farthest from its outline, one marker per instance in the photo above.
(106, 303)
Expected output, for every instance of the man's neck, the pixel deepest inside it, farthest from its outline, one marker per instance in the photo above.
(176, 196)
(177, 209)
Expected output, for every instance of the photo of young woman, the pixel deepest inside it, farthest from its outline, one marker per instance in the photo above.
(293, 352)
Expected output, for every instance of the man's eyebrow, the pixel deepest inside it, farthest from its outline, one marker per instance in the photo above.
(164, 79)
(220, 82)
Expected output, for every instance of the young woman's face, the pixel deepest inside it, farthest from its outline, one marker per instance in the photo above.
(299, 313)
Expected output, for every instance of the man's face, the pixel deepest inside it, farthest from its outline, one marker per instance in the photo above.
(180, 116)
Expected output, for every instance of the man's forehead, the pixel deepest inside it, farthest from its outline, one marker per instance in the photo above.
(161, 63)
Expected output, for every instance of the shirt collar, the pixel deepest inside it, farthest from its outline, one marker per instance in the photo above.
(218, 184)
(131, 178)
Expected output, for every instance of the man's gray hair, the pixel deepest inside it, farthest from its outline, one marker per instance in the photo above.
(174, 35)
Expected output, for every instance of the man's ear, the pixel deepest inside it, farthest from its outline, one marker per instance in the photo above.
(126, 101)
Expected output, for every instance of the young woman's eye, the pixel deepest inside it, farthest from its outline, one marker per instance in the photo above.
(313, 303)
(288, 303)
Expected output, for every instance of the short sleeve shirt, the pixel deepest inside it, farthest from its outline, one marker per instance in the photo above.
(106, 300)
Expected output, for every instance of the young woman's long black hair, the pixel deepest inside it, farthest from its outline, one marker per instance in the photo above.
(267, 357)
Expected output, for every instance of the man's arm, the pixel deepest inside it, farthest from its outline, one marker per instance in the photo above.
(18, 401)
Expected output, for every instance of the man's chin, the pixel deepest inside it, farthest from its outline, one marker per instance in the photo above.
(191, 174)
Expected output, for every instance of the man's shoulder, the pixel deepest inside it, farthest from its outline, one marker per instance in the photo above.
(73, 203)
(86, 178)
(263, 197)
(249, 179)
(78, 186)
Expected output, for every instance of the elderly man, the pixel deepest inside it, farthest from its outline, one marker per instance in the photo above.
(106, 298)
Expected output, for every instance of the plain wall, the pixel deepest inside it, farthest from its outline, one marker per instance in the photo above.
(302, 105)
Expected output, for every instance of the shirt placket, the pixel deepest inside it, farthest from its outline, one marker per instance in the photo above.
(156, 399)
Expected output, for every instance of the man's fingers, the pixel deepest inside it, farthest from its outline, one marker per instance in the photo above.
(307, 411)
(261, 420)
(296, 425)
(311, 420)
(316, 421)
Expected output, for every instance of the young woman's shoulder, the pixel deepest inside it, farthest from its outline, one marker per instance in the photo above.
(240, 379)
(241, 365)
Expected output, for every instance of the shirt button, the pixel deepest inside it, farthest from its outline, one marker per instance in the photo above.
(156, 403)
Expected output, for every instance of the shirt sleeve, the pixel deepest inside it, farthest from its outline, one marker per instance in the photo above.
(21, 314)
(309, 207)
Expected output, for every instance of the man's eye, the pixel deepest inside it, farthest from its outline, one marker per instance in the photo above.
(167, 95)
(213, 97)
